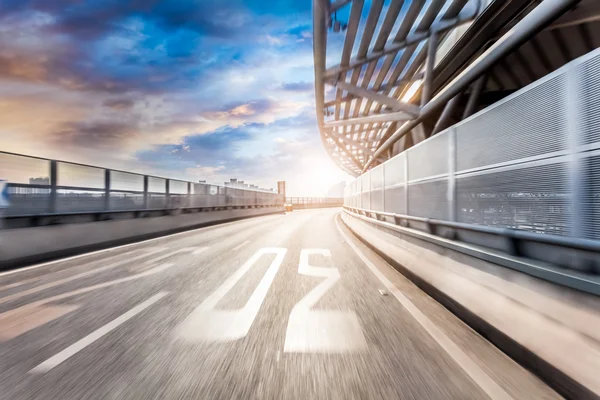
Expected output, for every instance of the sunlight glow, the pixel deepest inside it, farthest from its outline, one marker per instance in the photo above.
(412, 90)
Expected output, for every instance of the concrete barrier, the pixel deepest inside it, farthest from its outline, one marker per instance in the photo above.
(19, 247)
(550, 329)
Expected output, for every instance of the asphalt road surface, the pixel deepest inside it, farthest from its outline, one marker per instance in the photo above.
(276, 307)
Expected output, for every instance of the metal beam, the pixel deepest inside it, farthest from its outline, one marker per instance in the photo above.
(429, 65)
(442, 122)
(386, 117)
(410, 110)
(336, 5)
(532, 23)
(393, 47)
(476, 90)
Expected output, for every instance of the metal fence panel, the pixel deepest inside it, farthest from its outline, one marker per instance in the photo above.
(80, 176)
(394, 200)
(22, 169)
(529, 123)
(177, 187)
(429, 158)
(394, 170)
(535, 198)
(530, 162)
(124, 181)
(428, 199)
(589, 90)
(68, 201)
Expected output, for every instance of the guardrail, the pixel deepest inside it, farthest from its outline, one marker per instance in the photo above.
(324, 201)
(566, 261)
(44, 191)
(523, 169)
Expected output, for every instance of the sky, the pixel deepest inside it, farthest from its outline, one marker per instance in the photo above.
(186, 89)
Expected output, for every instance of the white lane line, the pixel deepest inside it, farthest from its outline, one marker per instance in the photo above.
(239, 246)
(209, 324)
(200, 250)
(483, 380)
(97, 334)
(84, 274)
(125, 246)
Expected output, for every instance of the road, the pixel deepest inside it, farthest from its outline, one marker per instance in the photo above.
(276, 307)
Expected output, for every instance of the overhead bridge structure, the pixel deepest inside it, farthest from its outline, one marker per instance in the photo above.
(390, 74)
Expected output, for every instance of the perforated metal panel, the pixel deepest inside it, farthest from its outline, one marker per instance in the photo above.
(366, 195)
(589, 92)
(532, 198)
(395, 201)
(534, 122)
(428, 199)
(592, 199)
(430, 158)
(377, 177)
(394, 170)
(531, 161)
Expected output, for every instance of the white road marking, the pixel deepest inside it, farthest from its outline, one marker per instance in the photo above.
(483, 380)
(206, 323)
(321, 331)
(200, 250)
(97, 334)
(79, 276)
(239, 246)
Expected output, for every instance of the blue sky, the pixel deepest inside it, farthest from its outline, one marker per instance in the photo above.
(206, 89)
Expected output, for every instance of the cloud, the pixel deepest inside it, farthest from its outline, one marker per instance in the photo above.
(120, 104)
(260, 110)
(103, 134)
(297, 86)
(161, 86)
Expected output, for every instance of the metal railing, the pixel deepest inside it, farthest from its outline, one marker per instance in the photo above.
(530, 162)
(40, 186)
(332, 201)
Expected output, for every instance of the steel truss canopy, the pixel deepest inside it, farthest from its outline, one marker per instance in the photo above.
(408, 69)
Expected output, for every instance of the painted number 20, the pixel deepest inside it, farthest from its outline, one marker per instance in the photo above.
(308, 330)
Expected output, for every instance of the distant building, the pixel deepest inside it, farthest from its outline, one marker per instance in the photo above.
(39, 181)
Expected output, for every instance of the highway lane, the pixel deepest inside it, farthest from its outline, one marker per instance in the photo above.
(283, 307)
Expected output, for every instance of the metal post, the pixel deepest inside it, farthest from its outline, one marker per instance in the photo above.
(406, 183)
(429, 65)
(189, 194)
(167, 194)
(53, 184)
(476, 90)
(107, 189)
(146, 195)
(442, 122)
(451, 174)
(383, 186)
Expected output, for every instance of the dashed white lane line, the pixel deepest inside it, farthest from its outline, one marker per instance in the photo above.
(81, 275)
(97, 334)
(483, 380)
(239, 246)
(200, 250)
